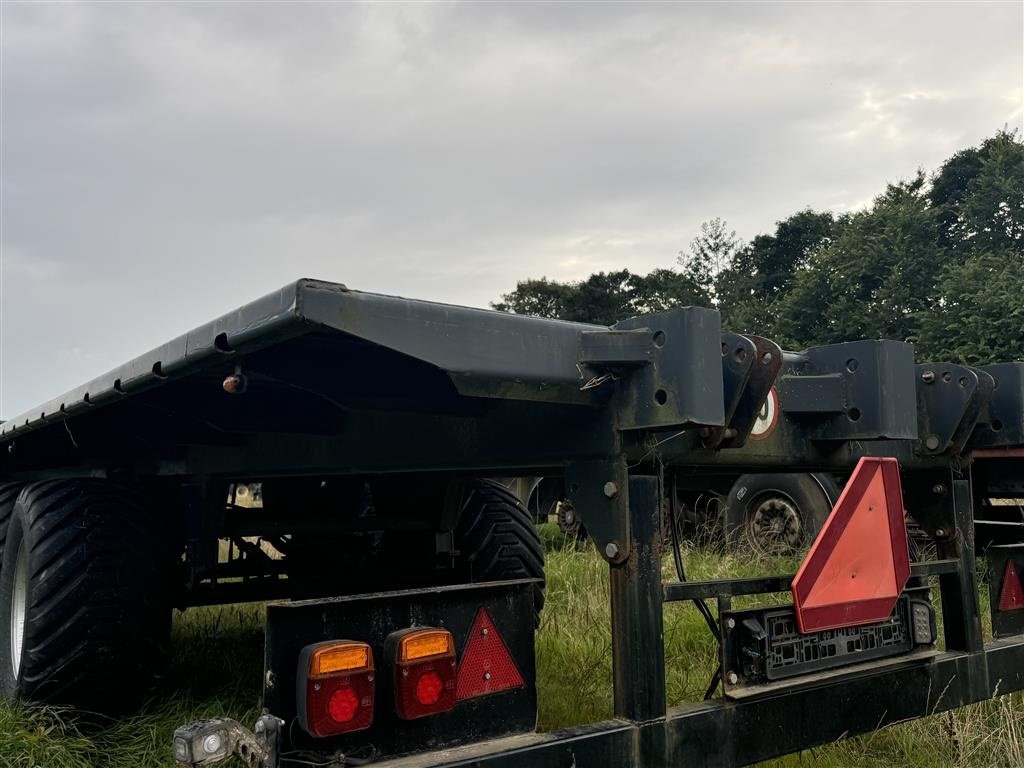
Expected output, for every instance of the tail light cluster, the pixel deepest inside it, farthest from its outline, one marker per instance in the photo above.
(338, 683)
(424, 663)
(336, 679)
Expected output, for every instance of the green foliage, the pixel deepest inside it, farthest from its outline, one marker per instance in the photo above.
(938, 264)
(872, 279)
(979, 193)
(663, 289)
(603, 298)
(540, 298)
(936, 261)
(763, 271)
(711, 251)
(979, 314)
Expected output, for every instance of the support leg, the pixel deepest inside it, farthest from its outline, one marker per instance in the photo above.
(638, 645)
(960, 609)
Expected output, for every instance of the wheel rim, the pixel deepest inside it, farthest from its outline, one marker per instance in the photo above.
(775, 525)
(568, 522)
(19, 605)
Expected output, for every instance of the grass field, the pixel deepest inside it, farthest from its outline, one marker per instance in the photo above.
(217, 667)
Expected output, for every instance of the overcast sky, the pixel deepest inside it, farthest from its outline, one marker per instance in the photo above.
(164, 163)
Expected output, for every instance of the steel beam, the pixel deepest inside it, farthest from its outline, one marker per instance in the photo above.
(638, 643)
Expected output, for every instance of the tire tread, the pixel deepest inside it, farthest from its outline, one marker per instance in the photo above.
(497, 538)
(8, 495)
(98, 616)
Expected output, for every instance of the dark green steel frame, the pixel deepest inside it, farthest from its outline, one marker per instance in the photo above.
(332, 381)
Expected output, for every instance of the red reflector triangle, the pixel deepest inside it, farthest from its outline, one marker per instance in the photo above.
(1011, 598)
(486, 665)
(860, 562)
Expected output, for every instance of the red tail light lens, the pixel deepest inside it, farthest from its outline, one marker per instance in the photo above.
(343, 706)
(429, 688)
(335, 688)
(424, 661)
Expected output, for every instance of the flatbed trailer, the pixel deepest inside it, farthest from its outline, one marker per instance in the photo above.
(371, 419)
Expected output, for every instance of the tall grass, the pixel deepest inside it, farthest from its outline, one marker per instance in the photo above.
(217, 667)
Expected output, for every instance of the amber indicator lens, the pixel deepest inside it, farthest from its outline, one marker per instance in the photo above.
(343, 657)
(423, 643)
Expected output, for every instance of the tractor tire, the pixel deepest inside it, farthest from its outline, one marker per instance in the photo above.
(497, 540)
(84, 611)
(778, 514)
(8, 494)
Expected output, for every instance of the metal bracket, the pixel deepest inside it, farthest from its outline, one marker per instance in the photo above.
(1003, 424)
(601, 349)
(856, 390)
(814, 394)
(738, 360)
(767, 362)
(599, 493)
(928, 498)
(950, 400)
(680, 386)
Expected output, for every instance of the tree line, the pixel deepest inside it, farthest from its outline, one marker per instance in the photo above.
(937, 260)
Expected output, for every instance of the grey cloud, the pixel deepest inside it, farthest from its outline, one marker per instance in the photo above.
(164, 162)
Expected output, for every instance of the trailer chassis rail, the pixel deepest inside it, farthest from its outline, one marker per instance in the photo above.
(717, 732)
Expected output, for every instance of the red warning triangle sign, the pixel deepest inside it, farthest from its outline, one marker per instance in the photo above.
(860, 561)
(1011, 598)
(486, 665)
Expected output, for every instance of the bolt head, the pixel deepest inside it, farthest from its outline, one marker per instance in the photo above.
(928, 377)
(940, 533)
(611, 549)
(938, 489)
(733, 678)
(932, 442)
(611, 489)
(730, 623)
